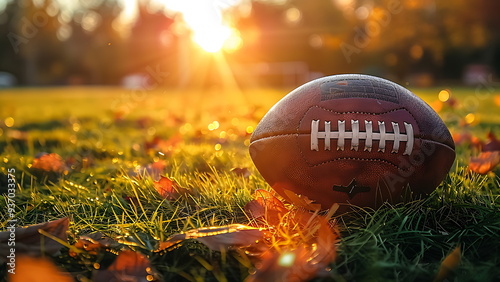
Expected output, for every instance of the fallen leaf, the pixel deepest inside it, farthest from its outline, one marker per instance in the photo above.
(49, 163)
(37, 270)
(448, 265)
(301, 201)
(485, 162)
(265, 206)
(241, 171)
(493, 144)
(29, 241)
(218, 237)
(169, 189)
(94, 242)
(128, 266)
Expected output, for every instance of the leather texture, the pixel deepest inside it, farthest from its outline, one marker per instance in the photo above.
(360, 164)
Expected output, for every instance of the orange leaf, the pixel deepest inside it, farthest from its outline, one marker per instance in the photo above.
(265, 206)
(169, 189)
(128, 266)
(301, 201)
(219, 237)
(28, 240)
(448, 265)
(37, 270)
(94, 242)
(49, 163)
(485, 162)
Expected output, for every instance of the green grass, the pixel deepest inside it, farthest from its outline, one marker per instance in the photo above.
(103, 134)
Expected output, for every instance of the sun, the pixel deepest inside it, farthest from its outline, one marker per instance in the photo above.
(204, 19)
(212, 39)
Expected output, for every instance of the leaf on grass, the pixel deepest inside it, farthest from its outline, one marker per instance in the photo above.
(94, 242)
(301, 201)
(128, 266)
(241, 171)
(265, 206)
(485, 162)
(449, 264)
(49, 163)
(218, 237)
(169, 189)
(493, 144)
(37, 270)
(304, 263)
(29, 241)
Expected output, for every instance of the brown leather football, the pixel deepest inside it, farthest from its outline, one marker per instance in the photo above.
(354, 140)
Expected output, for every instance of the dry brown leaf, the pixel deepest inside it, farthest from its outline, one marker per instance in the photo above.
(301, 201)
(94, 242)
(37, 270)
(128, 266)
(219, 238)
(266, 207)
(485, 162)
(449, 264)
(29, 241)
(169, 189)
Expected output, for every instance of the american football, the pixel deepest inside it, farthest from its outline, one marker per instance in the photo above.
(353, 140)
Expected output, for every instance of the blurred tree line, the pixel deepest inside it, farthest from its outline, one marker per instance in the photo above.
(42, 44)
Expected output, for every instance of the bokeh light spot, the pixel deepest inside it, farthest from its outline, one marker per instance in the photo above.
(416, 52)
(316, 41)
(76, 127)
(213, 125)
(293, 15)
(444, 95)
(9, 122)
(470, 118)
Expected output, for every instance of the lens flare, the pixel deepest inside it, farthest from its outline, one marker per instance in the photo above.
(205, 19)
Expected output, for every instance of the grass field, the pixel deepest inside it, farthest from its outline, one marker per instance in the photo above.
(115, 143)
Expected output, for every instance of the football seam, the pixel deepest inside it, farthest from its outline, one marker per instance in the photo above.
(357, 112)
(357, 159)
